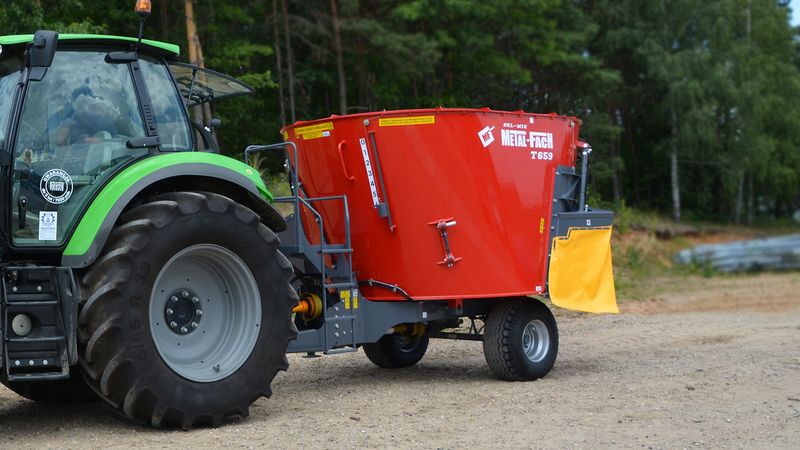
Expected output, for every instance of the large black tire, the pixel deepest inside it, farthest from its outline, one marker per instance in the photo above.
(505, 340)
(395, 351)
(63, 392)
(118, 353)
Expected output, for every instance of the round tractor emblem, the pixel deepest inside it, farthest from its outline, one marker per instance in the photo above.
(56, 186)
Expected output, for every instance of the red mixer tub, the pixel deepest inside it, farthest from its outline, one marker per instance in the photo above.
(444, 203)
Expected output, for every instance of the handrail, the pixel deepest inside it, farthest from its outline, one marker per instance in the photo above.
(344, 167)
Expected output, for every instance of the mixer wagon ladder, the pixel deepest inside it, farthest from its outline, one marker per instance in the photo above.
(338, 317)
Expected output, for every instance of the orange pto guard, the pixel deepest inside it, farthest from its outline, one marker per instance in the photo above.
(580, 276)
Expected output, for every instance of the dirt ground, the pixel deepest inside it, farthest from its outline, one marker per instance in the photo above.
(700, 363)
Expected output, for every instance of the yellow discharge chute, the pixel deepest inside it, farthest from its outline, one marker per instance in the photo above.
(580, 274)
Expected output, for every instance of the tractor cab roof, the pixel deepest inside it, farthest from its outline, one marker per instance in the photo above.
(197, 85)
(161, 48)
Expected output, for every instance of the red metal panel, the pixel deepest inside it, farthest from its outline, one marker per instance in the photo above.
(490, 171)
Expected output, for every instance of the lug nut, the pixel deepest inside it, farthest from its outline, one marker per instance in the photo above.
(195, 300)
(194, 324)
(169, 311)
(185, 294)
(173, 324)
(173, 299)
(184, 330)
(199, 312)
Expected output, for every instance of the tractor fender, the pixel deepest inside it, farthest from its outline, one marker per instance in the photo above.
(163, 173)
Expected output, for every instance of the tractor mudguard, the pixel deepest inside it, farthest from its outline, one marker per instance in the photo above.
(98, 220)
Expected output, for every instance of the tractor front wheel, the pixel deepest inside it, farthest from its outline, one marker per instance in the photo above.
(188, 314)
(520, 340)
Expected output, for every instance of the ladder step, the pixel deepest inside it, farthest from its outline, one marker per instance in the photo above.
(330, 251)
(350, 284)
(49, 303)
(41, 376)
(36, 340)
(33, 297)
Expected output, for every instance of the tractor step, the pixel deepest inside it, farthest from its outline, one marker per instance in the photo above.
(37, 323)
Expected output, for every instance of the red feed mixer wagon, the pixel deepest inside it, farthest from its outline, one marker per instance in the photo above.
(407, 222)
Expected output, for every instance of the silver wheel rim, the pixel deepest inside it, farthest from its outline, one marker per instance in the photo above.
(205, 313)
(535, 340)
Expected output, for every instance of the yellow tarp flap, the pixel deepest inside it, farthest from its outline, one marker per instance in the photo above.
(580, 271)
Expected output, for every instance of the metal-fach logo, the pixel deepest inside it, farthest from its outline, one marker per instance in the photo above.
(56, 186)
(486, 136)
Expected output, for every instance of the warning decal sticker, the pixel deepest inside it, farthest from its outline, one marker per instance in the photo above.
(402, 121)
(48, 225)
(314, 131)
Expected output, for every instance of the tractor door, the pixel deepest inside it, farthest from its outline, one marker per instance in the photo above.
(72, 135)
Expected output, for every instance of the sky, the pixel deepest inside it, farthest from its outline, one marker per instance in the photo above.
(795, 5)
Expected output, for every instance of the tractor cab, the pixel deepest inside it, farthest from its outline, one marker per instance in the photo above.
(76, 109)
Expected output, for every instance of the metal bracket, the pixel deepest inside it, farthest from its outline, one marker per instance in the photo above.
(442, 225)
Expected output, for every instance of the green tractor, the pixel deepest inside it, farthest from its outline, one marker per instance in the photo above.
(136, 267)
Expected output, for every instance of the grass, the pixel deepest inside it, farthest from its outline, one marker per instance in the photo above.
(277, 184)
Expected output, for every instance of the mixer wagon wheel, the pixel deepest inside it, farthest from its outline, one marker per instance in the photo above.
(520, 340)
(188, 311)
(397, 350)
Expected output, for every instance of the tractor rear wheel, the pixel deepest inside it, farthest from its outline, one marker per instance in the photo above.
(62, 392)
(520, 340)
(398, 350)
(188, 314)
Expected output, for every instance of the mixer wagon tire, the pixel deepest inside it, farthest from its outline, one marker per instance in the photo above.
(188, 312)
(61, 392)
(395, 351)
(520, 340)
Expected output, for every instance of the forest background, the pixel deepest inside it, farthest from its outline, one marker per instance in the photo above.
(692, 107)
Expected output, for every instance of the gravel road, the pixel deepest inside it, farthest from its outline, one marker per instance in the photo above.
(699, 363)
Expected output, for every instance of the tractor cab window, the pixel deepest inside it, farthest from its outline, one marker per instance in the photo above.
(9, 77)
(199, 85)
(170, 114)
(71, 135)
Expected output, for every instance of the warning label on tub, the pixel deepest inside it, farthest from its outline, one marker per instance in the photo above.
(401, 121)
(314, 131)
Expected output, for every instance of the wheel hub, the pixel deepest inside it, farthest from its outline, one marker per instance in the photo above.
(183, 311)
(224, 294)
(535, 340)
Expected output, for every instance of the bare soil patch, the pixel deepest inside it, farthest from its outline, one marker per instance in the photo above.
(699, 363)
